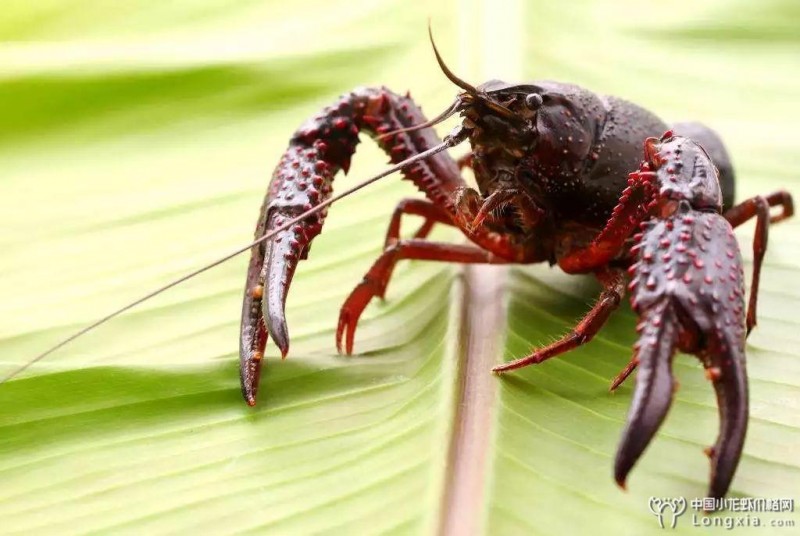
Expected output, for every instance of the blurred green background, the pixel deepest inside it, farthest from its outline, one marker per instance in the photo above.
(137, 139)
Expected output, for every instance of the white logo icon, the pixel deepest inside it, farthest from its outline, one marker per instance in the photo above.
(659, 505)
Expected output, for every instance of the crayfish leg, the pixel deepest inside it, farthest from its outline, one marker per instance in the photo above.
(431, 212)
(613, 291)
(623, 374)
(377, 278)
(759, 207)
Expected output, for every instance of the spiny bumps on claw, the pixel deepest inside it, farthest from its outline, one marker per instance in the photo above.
(303, 180)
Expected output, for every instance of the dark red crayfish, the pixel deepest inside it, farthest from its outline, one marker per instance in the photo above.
(553, 165)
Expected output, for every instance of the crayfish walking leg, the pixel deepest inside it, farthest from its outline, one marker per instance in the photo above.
(613, 291)
(493, 248)
(635, 202)
(377, 278)
(759, 207)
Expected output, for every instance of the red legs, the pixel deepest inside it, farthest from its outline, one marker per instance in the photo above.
(781, 198)
(464, 161)
(624, 373)
(494, 248)
(418, 207)
(759, 207)
(632, 209)
(610, 298)
(376, 280)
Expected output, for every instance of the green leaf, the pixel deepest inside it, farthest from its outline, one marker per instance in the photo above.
(137, 145)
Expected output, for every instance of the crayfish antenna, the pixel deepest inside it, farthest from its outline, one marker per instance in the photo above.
(446, 114)
(458, 135)
(466, 86)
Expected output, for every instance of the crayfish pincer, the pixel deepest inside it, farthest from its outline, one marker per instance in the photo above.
(552, 163)
(687, 287)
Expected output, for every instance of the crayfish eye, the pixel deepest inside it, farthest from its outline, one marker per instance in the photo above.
(533, 101)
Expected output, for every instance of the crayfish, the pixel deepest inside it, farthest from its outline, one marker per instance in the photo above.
(561, 179)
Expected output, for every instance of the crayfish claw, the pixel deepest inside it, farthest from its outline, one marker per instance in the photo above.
(346, 329)
(303, 180)
(281, 260)
(655, 386)
(253, 335)
(691, 301)
(731, 389)
(278, 276)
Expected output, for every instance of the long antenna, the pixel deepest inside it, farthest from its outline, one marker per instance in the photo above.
(469, 88)
(454, 138)
(453, 108)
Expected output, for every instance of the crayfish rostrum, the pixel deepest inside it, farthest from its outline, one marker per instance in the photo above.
(592, 183)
